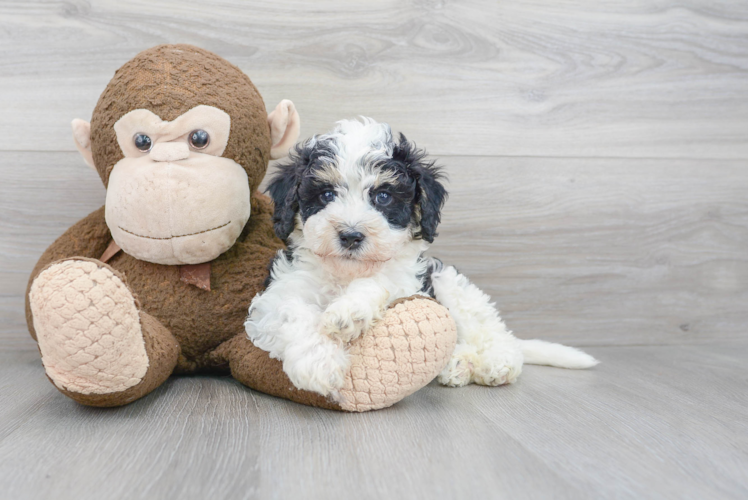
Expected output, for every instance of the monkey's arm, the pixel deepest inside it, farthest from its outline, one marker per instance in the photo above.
(89, 237)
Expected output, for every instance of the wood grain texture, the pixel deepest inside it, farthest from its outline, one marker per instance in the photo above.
(531, 78)
(637, 426)
(41, 196)
(611, 252)
(599, 168)
(584, 251)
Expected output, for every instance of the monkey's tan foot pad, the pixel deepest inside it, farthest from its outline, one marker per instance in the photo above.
(88, 328)
(399, 355)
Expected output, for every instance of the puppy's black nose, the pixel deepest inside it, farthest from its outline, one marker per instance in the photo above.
(351, 240)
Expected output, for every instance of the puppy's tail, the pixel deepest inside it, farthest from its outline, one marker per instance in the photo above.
(539, 352)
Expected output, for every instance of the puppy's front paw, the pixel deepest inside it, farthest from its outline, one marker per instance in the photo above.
(321, 369)
(346, 319)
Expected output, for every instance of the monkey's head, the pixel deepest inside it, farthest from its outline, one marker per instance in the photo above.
(181, 140)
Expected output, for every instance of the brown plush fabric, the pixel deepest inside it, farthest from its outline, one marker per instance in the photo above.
(162, 350)
(172, 79)
(89, 237)
(187, 329)
(416, 336)
(254, 368)
(200, 320)
(161, 347)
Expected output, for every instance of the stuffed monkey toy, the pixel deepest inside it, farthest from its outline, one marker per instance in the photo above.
(158, 281)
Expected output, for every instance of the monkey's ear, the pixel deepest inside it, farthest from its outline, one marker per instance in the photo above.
(284, 190)
(430, 192)
(82, 139)
(284, 125)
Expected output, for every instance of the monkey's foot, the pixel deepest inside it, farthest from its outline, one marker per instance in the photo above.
(398, 356)
(91, 334)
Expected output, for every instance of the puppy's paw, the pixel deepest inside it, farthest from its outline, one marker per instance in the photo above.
(496, 365)
(321, 369)
(459, 370)
(499, 365)
(345, 319)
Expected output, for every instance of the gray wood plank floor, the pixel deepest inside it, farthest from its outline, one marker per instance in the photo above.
(638, 426)
(598, 163)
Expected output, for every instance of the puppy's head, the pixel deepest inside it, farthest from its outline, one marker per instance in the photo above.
(357, 194)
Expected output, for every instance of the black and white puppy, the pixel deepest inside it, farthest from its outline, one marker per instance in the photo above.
(358, 209)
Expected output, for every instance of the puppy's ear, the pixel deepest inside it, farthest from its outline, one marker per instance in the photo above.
(284, 190)
(430, 192)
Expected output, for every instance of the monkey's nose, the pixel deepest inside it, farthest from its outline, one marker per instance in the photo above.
(351, 240)
(170, 151)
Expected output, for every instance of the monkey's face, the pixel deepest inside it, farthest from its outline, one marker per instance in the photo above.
(180, 138)
(173, 199)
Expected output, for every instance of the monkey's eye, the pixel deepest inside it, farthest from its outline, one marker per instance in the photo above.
(199, 139)
(142, 142)
(383, 198)
(327, 196)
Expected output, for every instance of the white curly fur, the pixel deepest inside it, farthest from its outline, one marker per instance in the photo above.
(323, 296)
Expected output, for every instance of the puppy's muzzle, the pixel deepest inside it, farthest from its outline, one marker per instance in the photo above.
(351, 239)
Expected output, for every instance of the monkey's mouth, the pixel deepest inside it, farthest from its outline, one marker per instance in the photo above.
(174, 236)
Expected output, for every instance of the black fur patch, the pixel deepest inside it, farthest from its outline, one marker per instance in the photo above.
(417, 192)
(430, 194)
(310, 196)
(400, 211)
(290, 186)
(435, 265)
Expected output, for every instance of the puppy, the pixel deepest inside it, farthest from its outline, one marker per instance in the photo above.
(358, 209)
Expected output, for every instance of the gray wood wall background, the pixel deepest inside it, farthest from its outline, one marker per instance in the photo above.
(598, 161)
(596, 150)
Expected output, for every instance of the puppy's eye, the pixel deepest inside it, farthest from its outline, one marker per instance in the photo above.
(199, 139)
(142, 142)
(383, 198)
(327, 196)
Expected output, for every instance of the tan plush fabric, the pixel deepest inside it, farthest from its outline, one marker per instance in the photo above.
(215, 122)
(169, 326)
(88, 328)
(82, 140)
(199, 320)
(162, 350)
(284, 128)
(401, 354)
(170, 80)
(204, 206)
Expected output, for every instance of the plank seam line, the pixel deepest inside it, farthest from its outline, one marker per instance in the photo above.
(451, 155)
